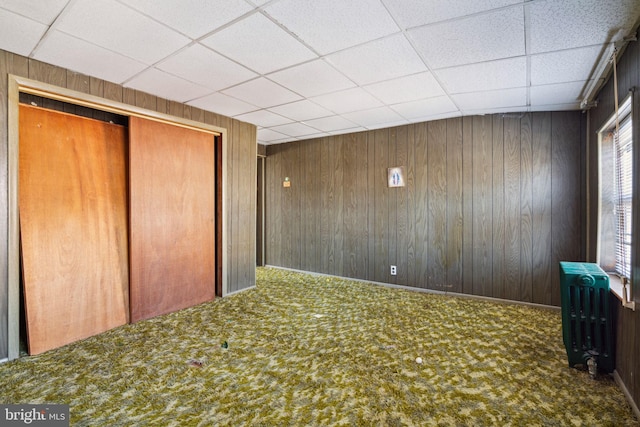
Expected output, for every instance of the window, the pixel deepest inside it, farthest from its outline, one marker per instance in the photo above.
(616, 172)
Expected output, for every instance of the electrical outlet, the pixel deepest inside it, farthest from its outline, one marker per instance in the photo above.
(394, 270)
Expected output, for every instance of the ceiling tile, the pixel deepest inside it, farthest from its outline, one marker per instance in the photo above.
(556, 25)
(77, 55)
(19, 34)
(205, 67)
(374, 117)
(295, 129)
(167, 86)
(425, 107)
(477, 38)
(262, 92)
(222, 104)
(313, 78)
(347, 101)
(259, 44)
(404, 89)
(195, 18)
(492, 99)
(116, 27)
(563, 93)
(42, 11)
(412, 13)
(428, 118)
(378, 60)
(331, 25)
(263, 118)
(501, 74)
(301, 110)
(565, 66)
(330, 124)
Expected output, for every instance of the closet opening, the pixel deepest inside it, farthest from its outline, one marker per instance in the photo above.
(40, 98)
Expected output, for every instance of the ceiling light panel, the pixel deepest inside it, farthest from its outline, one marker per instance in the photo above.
(407, 88)
(565, 66)
(223, 104)
(501, 74)
(492, 99)
(116, 27)
(206, 67)
(413, 13)
(78, 55)
(378, 60)
(167, 86)
(331, 25)
(556, 25)
(478, 38)
(313, 78)
(42, 11)
(259, 44)
(262, 92)
(19, 34)
(194, 18)
(425, 107)
(347, 101)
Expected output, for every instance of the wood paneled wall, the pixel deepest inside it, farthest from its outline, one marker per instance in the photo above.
(628, 322)
(491, 204)
(240, 202)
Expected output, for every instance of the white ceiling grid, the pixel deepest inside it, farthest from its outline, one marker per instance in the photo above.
(305, 68)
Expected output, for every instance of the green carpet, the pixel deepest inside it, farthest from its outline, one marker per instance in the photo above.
(303, 350)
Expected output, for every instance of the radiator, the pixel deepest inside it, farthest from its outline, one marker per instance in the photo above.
(587, 328)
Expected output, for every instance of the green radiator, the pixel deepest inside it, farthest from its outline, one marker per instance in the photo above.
(587, 328)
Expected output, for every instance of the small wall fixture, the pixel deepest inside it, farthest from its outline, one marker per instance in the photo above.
(286, 183)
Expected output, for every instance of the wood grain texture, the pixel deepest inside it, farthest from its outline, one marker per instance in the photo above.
(4, 220)
(467, 204)
(526, 209)
(512, 206)
(499, 252)
(421, 203)
(454, 205)
(468, 217)
(437, 204)
(73, 217)
(565, 184)
(542, 201)
(482, 206)
(403, 242)
(311, 205)
(172, 212)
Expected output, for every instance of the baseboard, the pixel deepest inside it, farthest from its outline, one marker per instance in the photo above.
(238, 291)
(623, 387)
(428, 291)
(4, 360)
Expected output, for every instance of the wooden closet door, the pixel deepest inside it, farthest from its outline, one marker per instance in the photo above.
(172, 212)
(73, 225)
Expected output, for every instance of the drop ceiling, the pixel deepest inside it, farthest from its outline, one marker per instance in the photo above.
(301, 69)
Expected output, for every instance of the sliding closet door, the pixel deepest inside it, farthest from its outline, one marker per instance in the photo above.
(73, 225)
(172, 212)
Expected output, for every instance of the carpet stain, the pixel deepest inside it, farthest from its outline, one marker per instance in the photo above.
(308, 350)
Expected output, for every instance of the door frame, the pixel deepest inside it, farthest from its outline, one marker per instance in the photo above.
(20, 84)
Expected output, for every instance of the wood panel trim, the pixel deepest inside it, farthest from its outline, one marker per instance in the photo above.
(57, 93)
(17, 84)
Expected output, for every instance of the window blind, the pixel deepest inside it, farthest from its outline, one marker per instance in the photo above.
(623, 142)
